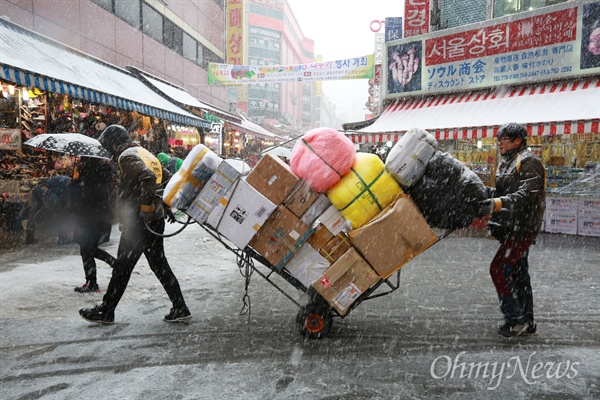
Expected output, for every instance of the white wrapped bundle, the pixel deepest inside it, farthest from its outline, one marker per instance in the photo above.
(408, 158)
(188, 181)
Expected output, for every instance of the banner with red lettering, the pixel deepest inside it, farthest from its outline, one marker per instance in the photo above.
(416, 17)
(548, 43)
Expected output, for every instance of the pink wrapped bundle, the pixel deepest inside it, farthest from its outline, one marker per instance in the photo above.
(321, 157)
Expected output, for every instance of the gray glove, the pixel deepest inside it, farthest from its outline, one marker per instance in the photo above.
(486, 207)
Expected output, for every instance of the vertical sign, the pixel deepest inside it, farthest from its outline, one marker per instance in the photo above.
(379, 58)
(393, 29)
(416, 17)
(234, 41)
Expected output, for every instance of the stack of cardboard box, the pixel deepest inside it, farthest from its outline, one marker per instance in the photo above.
(298, 230)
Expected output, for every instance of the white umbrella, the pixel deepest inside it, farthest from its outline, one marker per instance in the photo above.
(74, 144)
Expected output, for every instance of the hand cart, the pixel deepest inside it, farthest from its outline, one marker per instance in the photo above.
(314, 320)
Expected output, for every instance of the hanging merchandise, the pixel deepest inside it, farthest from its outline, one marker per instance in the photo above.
(448, 193)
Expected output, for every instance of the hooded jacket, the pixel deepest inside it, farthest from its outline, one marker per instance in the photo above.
(520, 184)
(142, 176)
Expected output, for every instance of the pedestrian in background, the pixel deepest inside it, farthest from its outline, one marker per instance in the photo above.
(91, 200)
(516, 205)
(140, 213)
(172, 164)
(47, 202)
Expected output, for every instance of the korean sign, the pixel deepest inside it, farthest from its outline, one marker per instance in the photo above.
(540, 45)
(416, 17)
(10, 139)
(351, 68)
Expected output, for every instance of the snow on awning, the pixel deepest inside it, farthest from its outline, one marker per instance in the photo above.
(181, 96)
(545, 109)
(30, 59)
(250, 128)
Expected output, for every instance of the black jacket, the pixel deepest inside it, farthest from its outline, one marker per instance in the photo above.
(142, 175)
(520, 184)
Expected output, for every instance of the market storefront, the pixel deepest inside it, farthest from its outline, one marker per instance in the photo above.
(462, 84)
(52, 88)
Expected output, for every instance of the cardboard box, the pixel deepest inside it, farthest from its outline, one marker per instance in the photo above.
(317, 208)
(273, 178)
(280, 237)
(224, 177)
(246, 212)
(307, 265)
(333, 220)
(216, 214)
(394, 237)
(300, 199)
(343, 283)
(336, 247)
(319, 237)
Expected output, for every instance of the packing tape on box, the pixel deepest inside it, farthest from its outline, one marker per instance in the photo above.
(299, 243)
(329, 255)
(186, 176)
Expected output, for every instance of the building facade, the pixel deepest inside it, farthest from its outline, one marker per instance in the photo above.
(274, 37)
(173, 40)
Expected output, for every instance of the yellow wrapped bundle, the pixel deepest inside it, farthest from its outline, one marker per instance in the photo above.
(364, 191)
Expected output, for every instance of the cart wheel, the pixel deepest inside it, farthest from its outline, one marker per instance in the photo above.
(314, 320)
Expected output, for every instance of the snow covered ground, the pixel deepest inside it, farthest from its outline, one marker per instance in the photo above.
(432, 338)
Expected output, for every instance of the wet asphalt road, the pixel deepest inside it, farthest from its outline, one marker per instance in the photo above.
(433, 338)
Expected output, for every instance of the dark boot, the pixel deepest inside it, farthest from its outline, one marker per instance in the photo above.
(100, 314)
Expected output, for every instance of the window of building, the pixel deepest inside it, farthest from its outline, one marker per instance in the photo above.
(200, 56)
(508, 7)
(190, 48)
(152, 23)
(106, 4)
(129, 11)
(172, 36)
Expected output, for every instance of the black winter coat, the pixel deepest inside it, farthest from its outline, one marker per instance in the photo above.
(520, 183)
(92, 200)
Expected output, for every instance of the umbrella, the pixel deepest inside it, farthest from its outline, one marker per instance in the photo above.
(74, 144)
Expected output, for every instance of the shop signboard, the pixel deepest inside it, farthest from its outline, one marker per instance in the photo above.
(539, 45)
(10, 139)
(350, 68)
(588, 216)
(393, 28)
(234, 42)
(561, 215)
(416, 14)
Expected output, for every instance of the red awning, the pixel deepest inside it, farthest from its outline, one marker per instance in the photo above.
(545, 109)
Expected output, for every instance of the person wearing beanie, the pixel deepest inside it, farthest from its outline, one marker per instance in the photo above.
(172, 164)
(516, 205)
(141, 214)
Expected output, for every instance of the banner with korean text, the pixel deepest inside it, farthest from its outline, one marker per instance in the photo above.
(549, 43)
(351, 68)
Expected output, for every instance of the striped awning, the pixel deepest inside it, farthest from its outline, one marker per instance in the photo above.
(33, 60)
(545, 109)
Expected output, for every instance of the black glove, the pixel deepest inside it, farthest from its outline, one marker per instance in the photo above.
(169, 216)
(485, 207)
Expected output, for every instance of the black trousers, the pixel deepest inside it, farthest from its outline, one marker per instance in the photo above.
(135, 241)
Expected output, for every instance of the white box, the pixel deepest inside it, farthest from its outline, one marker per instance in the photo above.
(315, 210)
(224, 177)
(333, 220)
(588, 206)
(561, 205)
(307, 265)
(246, 212)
